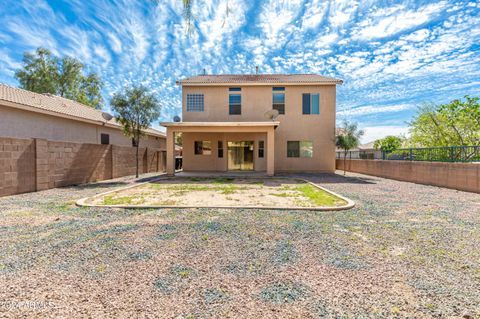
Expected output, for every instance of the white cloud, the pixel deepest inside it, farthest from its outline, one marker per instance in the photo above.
(115, 43)
(386, 23)
(314, 14)
(373, 133)
(371, 109)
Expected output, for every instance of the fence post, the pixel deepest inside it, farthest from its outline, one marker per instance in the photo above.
(114, 162)
(41, 164)
(411, 154)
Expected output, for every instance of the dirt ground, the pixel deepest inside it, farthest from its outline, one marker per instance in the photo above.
(404, 251)
(201, 192)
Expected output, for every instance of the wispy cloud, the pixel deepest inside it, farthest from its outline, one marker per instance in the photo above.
(371, 109)
(391, 56)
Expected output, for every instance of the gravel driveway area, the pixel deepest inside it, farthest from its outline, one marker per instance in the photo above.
(404, 250)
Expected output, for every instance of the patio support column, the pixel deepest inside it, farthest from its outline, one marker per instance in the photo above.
(170, 151)
(270, 151)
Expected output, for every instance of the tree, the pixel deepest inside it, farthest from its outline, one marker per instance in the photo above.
(453, 124)
(42, 72)
(135, 109)
(189, 17)
(388, 144)
(348, 137)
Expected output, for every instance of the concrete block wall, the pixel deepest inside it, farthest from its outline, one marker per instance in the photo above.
(17, 166)
(461, 176)
(28, 165)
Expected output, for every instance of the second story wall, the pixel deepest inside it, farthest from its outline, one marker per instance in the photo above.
(256, 100)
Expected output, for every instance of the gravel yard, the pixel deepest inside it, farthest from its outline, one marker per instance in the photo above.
(404, 250)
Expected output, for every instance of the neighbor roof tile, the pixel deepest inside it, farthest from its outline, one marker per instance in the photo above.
(56, 104)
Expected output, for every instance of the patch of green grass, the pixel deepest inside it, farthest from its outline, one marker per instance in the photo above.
(227, 190)
(122, 200)
(319, 197)
(285, 194)
(224, 180)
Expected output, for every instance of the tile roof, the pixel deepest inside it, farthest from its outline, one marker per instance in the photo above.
(259, 79)
(58, 105)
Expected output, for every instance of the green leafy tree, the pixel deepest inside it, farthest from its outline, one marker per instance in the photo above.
(42, 72)
(388, 144)
(135, 109)
(453, 124)
(348, 138)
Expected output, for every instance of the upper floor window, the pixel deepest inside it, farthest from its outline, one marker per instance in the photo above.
(279, 99)
(234, 102)
(311, 103)
(195, 103)
(104, 139)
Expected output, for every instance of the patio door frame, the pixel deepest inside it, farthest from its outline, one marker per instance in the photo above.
(252, 143)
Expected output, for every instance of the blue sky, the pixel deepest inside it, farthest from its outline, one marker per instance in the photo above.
(392, 55)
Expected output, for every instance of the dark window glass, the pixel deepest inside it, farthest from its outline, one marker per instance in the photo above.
(235, 104)
(104, 139)
(220, 149)
(198, 148)
(315, 104)
(311, 103)
(306, 103)
(203, 148)
(278, 89)
(234, 89)
(293, 149)
(279, 102)
(261, 149)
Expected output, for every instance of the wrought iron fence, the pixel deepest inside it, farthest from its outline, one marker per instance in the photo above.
(430, 154)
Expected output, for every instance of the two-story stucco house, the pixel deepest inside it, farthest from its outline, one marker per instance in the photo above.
(227, 123)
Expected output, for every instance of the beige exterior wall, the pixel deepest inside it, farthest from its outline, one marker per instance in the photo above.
(294, 126)
(211, 162)
(27, 124)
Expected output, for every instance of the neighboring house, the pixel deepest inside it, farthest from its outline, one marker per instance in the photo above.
(226, 125)
(25, 114)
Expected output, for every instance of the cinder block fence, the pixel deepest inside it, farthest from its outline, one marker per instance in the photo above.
(461, 176)
(28, 165)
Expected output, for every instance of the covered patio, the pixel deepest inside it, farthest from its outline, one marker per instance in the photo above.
(256, 135)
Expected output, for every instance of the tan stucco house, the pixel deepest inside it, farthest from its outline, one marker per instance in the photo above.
(25, 114)
(228, 124)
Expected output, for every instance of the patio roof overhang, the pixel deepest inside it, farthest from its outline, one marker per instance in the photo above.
(220, 126)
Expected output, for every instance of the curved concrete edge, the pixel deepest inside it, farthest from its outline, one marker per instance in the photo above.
(350, 203)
